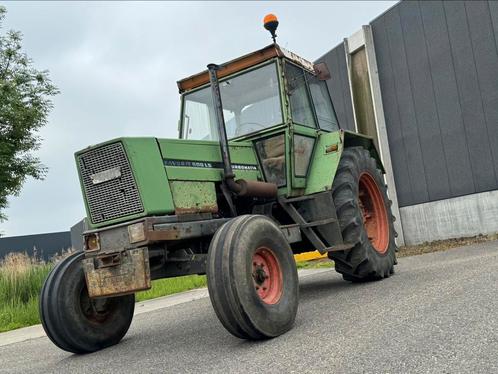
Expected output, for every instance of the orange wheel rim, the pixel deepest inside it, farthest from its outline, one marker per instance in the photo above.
(374, 212)
(267, 276)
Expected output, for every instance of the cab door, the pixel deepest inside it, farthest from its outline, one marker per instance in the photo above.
(312, 114)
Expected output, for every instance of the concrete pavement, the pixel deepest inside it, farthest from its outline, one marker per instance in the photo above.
(437, 314)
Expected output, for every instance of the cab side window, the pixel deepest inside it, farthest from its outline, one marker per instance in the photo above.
(323, 104)
(300, 101)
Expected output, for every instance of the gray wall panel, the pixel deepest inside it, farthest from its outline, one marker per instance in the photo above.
(346, 92)
(339, 86)
(470, 97)
(406, 109)
(493, 10)
(396, 145)
(426, 117)
(438, 70)
(446, 97)
(486, 60)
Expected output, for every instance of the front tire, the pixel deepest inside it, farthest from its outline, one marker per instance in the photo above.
(252, 278)
(73, 321)
(365, 218)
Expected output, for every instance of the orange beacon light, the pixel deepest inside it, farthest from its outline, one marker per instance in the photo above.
(270, 23)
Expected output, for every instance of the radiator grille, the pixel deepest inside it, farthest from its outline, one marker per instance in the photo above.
(113, 198)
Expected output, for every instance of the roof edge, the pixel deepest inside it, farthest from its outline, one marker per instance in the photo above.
(241, 63)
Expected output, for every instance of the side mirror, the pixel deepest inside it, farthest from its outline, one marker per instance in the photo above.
(322, 71)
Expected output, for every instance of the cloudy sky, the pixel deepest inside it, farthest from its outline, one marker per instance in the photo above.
(117, 63)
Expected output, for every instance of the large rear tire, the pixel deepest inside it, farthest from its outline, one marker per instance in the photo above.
(73, 321)
(365, 218)
(252, 278)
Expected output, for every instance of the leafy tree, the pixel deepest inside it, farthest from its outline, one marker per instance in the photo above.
(24, 106)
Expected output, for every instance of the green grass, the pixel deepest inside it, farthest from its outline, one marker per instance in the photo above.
(22, 277)
(315, 264)
(164, 287)
(14, 315)
(168, 286)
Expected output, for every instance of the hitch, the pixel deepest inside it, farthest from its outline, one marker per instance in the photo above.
(116, 274)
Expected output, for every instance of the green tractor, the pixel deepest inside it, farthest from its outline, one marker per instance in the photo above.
(261, 171)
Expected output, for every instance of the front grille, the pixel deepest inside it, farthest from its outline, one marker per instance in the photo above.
(113, 193)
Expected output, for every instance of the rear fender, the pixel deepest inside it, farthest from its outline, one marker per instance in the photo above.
(352, 139)
(327, 155)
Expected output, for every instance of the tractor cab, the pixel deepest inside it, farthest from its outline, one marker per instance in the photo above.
(272, 98)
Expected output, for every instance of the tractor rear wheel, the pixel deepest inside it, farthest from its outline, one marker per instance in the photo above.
(365, 218)
(73, 321)
(252, 278)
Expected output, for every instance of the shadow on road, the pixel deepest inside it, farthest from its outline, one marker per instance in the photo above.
(194, 326)
(327, 284)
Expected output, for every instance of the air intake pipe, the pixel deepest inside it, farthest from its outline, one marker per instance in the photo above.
(240, 187)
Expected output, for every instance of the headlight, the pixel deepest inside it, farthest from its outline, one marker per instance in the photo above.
(92, 242)
(136, 232)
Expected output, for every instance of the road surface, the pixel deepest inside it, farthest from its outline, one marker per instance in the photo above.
(437, 314)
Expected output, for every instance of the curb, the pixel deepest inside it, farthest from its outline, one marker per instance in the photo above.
(36, 331)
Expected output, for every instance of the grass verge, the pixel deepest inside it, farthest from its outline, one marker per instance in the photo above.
(315, 264)
(169, 286)
(21, 279)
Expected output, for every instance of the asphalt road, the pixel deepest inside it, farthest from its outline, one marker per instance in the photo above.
(437, 314)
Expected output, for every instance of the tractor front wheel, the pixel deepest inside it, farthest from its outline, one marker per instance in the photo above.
(252, 278)
(365, 218)
(73, 321)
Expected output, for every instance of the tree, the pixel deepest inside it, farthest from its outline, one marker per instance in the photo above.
(25, 103)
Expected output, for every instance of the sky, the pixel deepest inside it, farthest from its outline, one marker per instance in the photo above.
(116, 65)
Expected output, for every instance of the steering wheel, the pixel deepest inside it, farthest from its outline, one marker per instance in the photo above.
(240, 128)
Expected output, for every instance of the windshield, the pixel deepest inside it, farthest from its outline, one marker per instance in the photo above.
(251, 102)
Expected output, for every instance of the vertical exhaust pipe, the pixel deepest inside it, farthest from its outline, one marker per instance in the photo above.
(220, 122)
(240, 187)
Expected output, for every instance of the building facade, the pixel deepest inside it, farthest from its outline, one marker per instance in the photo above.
(422, 79)
(42, 246)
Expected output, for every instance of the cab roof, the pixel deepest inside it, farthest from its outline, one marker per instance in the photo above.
(243, 62)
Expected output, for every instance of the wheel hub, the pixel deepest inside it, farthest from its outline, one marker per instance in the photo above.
(375, 218)
(267, 276)
(259, 275)
(94, 310)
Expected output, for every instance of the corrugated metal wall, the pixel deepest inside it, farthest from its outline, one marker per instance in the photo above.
(47, 245)
(438, 71)
(339, 86)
